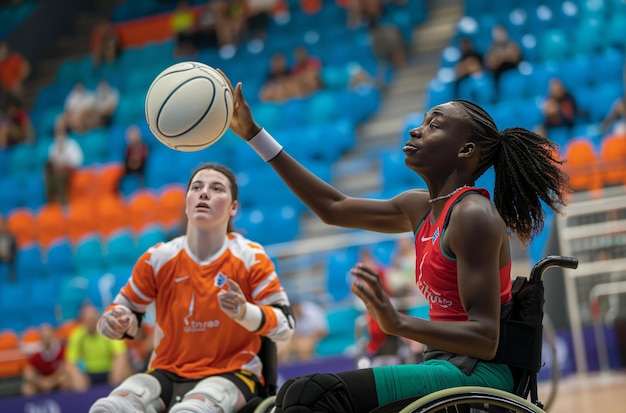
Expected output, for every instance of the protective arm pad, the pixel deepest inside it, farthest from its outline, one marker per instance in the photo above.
(118, 322)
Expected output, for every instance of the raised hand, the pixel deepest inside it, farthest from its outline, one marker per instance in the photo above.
(369, 288)
(233, 302)
(116, 321)
(242, 122)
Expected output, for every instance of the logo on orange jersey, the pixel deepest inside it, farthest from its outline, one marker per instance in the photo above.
(220, 280)
(192, 326)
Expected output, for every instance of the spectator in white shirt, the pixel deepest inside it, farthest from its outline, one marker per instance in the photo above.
(64, 157)
(107, 98)
(80, 109)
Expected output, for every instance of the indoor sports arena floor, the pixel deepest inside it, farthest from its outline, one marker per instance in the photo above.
(601, 392)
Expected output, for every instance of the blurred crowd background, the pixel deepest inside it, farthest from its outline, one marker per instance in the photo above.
(85, 188)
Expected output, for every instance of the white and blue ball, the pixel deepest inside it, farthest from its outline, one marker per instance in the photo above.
(189, 106)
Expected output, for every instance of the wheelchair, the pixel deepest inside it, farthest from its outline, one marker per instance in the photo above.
(520, 347)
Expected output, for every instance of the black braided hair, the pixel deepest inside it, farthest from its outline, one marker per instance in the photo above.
(527, 171)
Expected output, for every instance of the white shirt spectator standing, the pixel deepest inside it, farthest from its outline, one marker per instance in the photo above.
(64, 157)
(80, 109)
(106, 99)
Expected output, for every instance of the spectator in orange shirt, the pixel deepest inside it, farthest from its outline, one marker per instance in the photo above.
(14, 69)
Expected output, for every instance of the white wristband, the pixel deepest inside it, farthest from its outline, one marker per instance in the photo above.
(265, 145)
(251, 321)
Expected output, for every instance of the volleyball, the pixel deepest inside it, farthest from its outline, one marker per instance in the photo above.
(189, 106)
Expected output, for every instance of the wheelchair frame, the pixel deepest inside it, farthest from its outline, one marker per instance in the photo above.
(473, 399)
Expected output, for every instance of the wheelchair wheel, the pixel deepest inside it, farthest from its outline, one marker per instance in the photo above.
(471, 399)
(266, 406)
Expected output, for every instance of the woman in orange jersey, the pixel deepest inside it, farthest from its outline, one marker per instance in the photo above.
(216, 294)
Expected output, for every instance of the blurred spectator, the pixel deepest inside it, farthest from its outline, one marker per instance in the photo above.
(8, 249)
(104, 43)
(470, 62)
(46, 370)
(306, 71)
(107, 98)
(80, 109)
(15, 126)
(359, 78)
(387, 43)
(311, 327)
(136, 153)
(560, 107)
(183, 24)
(616, 118)
(503, 54)
(279, 85)
(14, 69)
(400, 276)
(207, 24)
(361, 11)
(64, 157)
(234, 23)
(384, 349)
(93, 358)
(259, 15)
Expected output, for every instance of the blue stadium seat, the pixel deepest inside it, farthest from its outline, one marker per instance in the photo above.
(553, 45)
(149, 237)
(14, 303)
(33, 190)
(120, 249)
(43, 301)
(129, 184)
(89, 253)
(159, 167)
(253, 223)
(338, 278)
(60, 258)
(438, 92)
(383, 251)
(29, 264)
(73, 293)
(478, 88)
(396, 175)
(23, 160)
(340, 338)
(95, 146)
(131, 107)
(589, 37)
(322, 107)
(10, 197)
(102, 289)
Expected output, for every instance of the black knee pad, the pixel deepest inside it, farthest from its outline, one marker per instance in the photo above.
(324, 392)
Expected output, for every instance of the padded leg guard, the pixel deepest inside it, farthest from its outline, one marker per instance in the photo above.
(139, 393)
(211, 395)
(316, 392)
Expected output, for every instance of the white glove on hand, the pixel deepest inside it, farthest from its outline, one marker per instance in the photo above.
(117, 320)
(233, 302)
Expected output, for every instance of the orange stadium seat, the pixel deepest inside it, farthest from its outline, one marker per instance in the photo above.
(30, 340)
(109, 178)
(582, 165)
(83, 185)
(65, 329)
(112, 214)
(51, 224)
(12, 360)
(82, 219)
(143, 209)
(171, 206)
(21, 222)
(613, 160)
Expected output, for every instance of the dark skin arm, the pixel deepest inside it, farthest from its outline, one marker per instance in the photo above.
(396, 215)
(478, 276)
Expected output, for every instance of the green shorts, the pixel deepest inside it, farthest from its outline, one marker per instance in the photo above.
(416, 380)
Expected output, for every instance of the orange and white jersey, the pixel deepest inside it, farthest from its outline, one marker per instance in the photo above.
(194, 338)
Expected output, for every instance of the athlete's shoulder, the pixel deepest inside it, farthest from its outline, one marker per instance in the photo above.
(165, 251)
(244, 249)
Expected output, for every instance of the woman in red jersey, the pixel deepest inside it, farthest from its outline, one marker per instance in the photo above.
(463, 258)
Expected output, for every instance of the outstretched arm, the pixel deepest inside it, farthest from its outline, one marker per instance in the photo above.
(399, 214)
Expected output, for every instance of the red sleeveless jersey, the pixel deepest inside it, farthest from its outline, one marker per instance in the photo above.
(436, 272)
